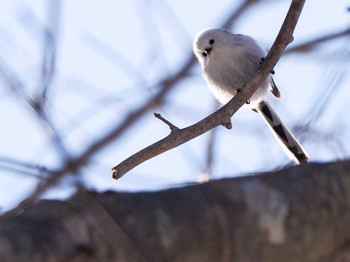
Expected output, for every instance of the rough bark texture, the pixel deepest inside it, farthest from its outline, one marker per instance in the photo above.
(296, 214)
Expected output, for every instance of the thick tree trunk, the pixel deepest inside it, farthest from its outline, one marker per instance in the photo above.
(296, 214)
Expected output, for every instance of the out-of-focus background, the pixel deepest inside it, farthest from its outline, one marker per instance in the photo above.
(80, 81)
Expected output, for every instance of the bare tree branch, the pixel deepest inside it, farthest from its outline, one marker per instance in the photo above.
(299, 213)
(168, 123)
(23, 168)
(210, 150)
(223, 115)
(50, 33)
(209, 160)
(16, 85)
(309, 45)
(73, 165)
(328, 87)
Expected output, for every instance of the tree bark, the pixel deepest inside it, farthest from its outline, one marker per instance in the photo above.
(299, 213)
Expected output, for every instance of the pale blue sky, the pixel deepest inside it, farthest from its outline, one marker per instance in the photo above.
(111, 54)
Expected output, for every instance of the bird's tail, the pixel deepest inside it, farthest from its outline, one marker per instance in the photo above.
(289, 143)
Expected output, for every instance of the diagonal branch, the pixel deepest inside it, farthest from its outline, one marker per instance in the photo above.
(48, 66)
(223, 115)
(16, 85)
(168, 123)
(76, 163)
(309, 45)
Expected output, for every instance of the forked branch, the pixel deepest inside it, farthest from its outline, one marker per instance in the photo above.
(224, 114)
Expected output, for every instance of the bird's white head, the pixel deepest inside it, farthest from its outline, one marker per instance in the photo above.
(208, 41)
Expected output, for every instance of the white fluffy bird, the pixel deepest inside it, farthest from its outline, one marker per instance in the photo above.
(229, 61)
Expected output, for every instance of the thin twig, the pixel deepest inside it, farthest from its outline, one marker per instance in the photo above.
(18, 88)
(223, 115)
(328, 88)
(308, 45)
(209, 160)
(166, 85)
(50, 33)
(23, 168)
(168, 123)
(14, 83)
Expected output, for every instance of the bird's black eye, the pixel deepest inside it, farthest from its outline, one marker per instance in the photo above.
(211, 41)
(204, 54)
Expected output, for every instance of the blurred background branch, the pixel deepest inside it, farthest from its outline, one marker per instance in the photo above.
(92, 75)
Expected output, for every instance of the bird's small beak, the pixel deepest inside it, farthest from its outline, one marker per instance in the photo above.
(208, 50)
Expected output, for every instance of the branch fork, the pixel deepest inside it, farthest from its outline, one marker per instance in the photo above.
(223, 115)
(168, 123)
